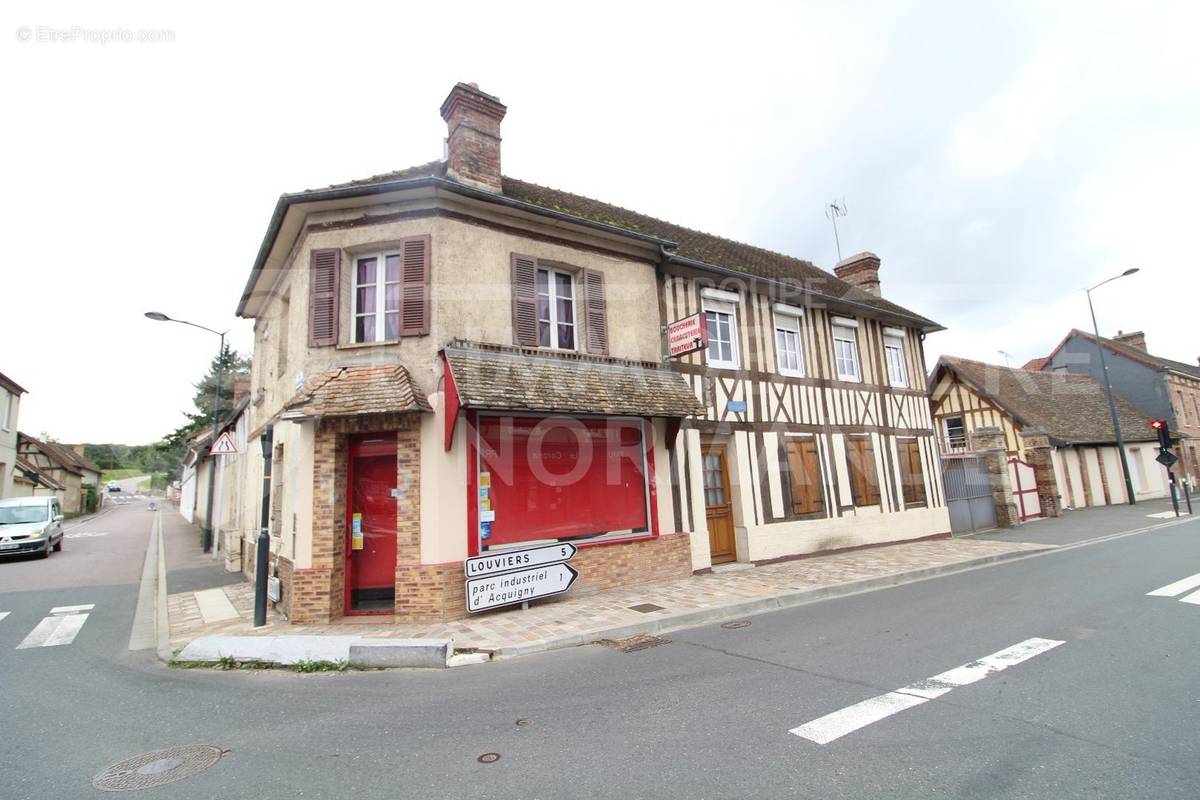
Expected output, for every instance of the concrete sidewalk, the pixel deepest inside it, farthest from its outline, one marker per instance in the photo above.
(658, 607)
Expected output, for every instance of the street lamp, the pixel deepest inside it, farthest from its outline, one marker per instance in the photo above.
(158, 316)
(1112, 404)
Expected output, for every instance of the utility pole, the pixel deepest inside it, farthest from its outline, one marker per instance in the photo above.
(262, 552)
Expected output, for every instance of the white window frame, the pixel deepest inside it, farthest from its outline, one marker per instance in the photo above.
(381, 283)
(553, 303)
(788, 321)
(729, 309)
(893, 343)
(946, 430)
(846, 330)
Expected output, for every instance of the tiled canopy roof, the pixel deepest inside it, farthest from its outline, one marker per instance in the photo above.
(1070, 408)
(691, 244)
(349, 391)
(524, 379)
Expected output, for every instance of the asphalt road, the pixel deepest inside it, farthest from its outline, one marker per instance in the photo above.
(1110, 712)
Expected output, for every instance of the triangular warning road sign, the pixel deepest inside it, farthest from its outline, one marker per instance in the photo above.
(223, 446)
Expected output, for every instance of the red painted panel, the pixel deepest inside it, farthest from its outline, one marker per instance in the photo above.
(371, 478)
(561, 477)
(451, 402)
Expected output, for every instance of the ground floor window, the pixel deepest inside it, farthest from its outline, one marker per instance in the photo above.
(864, 479)
(805, 480)
(912, 472)
(557, 478)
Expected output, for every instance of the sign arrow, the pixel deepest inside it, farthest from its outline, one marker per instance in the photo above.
(505, 560)
(520, 586)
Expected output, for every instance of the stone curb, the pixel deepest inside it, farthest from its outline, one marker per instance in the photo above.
(162, 618)
(688, 619)
(287, 650)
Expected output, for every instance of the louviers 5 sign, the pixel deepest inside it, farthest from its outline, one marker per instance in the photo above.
(518, 576)
(687, 335)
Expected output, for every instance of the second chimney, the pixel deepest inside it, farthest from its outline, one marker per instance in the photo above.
(473, 144)
(1135, 339)
(861, 270)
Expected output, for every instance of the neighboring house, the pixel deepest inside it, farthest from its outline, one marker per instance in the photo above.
(456, 362)
(29, 481)
(1071, 410)
(91, 472)
(64, 466)
(1161, 387)
(10, 408)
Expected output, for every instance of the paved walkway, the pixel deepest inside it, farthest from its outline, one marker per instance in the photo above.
(614, 613)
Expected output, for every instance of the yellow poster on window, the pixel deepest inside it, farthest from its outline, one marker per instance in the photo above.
(356, 532)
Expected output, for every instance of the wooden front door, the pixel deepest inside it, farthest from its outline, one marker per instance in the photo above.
(717, 506)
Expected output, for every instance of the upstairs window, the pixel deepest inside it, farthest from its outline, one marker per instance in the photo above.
(720, 314)
(893, 352)
(556, 309)
(9, 402)
(956, 433)
(845, 350)
(788, 348)
(377, 297)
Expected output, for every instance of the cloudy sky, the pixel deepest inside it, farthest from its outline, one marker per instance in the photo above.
(997, 156)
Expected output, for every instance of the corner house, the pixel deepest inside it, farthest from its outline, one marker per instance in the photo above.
(455, 363)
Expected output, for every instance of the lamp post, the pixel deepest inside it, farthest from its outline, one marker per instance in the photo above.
(263, 546)
(158, 316)
(1112, 404)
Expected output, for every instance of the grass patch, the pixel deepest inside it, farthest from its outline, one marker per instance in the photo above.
(310, 665)
(119, 474)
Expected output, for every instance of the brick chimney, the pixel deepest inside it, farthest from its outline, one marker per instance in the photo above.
(1135, 339)
(241, 388)
(473, 144)
(78, 448)
(861, 270)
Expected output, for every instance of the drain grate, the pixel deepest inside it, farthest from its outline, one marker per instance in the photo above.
(741, 623)
(634, 643)
(645, 608)
(157, 768)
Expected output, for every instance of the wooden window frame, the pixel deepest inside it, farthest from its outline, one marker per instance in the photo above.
(893, 346)
(381, 283)
(552, 298)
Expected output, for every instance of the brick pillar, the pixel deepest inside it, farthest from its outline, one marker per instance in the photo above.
(1037, 453)
(988, 442)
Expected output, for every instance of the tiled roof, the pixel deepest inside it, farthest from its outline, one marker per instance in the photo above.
(79, 459)
(1070, 408)
(349, 391)
(10, 384)
(526, 379)
(691, 244)
(1137, 354)
(56, 453)
(22, 466)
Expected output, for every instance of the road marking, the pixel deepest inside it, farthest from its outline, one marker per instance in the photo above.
(1176, 588)
(53, 631)
(60, 610)
(1193, 598)
(836, 725)
(85, 534)
(3, 614)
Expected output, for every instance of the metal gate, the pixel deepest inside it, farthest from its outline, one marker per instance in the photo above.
(968, 493)
(1024, 488)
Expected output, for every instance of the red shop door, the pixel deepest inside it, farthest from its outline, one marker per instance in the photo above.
(371, 527)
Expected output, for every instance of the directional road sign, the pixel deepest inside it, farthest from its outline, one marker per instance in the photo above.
(521, 586)
(505, 560)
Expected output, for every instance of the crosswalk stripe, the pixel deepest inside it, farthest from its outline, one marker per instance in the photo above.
(1193, 598)
(847, 720)
(3, 614)
(60, 610)
(67, 631)
(1177, 588)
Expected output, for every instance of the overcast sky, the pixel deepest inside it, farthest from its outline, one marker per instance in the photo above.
(998, 157)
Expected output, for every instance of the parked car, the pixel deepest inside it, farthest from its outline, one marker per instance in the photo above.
(30, 525)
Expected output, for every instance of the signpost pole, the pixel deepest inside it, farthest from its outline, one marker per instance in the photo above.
(216, 522)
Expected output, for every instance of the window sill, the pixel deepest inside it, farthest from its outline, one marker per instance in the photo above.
(790, 373)
(360, 345)
(592, 541)
(722, 365)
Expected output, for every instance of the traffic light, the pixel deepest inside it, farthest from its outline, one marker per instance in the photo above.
(1164, 435)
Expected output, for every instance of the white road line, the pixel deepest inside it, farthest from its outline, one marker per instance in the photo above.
(1193, 598)
(4, 614)
(1176, 588)
(53, 631)
(60, 610)
(836, 725)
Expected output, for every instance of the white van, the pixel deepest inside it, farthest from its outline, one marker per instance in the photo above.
(30, 525)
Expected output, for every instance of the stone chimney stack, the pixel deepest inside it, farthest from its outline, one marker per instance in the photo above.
(473, 142)
(78, 448)
(861, 270)
(1135, 339)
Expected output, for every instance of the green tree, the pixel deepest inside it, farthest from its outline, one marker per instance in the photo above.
(169, 453)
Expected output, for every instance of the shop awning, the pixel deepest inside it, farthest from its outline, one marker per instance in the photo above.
(354, 391)
(525, 379)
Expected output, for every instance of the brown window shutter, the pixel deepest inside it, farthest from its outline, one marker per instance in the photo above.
(804, 472)
(323, 282)
(414, 286)
(864, 481)
(912, 473)
(596, 312)
(524, 301)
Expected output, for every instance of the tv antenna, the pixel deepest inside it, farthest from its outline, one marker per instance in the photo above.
(1007, 358)
(832, 212)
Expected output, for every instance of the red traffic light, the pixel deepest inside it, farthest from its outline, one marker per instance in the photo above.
(1159, 424)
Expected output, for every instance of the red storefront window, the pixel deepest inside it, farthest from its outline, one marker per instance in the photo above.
(560, 477)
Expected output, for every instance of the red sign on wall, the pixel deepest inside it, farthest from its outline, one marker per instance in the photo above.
(687, 335)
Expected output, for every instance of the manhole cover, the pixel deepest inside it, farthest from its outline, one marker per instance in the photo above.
(645, 608)
(524, 723)
(157, 768)
(741, 623)
(488, 758)
(635, 643)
